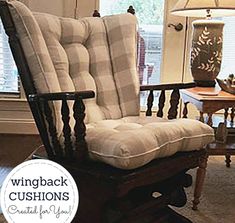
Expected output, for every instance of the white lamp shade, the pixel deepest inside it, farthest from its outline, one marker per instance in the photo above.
(198, 8)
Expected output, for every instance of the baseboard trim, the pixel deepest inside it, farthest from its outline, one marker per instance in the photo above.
(18, 126)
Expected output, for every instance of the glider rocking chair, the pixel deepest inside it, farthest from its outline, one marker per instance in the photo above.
(82, 86)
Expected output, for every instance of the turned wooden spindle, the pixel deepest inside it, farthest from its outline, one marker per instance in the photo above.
(96, 13)
(150, 103)
(210, 120)
(66, 129)
(80, 130)
(185, 110)
(52, 130)
(201, 118)
(161, 104)
(226, 114)
(232, 114)
(131, 10)
(174, 102)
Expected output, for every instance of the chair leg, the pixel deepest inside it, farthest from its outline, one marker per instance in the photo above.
(228, 160)
(200, 177)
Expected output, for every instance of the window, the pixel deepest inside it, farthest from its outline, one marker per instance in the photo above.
(228, 59)
(9, 79)
(150, 16)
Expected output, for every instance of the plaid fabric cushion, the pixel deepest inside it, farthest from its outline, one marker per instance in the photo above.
(132, 142)
(101, 68)
(121, 32)
(69, 55)
(37, 54)
(80, 55)
(36, 51)
(87, 54)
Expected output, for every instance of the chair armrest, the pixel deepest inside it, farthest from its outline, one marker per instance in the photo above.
(172, 86)
(63, 96)
(41, 104)
(174, 99)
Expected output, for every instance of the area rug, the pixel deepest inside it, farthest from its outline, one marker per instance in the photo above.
(218, 197)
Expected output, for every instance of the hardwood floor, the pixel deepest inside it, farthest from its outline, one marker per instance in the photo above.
(14, 149)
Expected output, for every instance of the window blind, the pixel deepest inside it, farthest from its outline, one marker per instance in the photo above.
(9, 78)
(228, 57)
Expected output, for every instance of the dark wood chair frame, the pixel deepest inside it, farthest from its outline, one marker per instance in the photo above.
(108, 194)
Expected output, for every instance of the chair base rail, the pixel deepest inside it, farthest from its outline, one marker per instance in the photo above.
(99, 202)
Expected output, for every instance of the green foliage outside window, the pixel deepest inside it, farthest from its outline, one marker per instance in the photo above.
(149, 13)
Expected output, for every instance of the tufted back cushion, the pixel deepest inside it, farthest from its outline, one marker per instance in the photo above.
(96, 54)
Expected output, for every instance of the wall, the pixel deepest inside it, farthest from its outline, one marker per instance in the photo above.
(66, 8)
(84, 9)
(55, 7)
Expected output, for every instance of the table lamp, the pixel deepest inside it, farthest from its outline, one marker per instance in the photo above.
(207, 41)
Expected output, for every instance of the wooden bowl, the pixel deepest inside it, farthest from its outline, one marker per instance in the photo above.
(226, 86)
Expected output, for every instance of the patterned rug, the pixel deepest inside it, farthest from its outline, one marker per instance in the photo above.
(218, 198)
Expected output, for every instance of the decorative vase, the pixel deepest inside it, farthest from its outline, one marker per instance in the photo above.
(206, 51)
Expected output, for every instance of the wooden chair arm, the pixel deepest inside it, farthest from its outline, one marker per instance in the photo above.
(44, 104)
(172, 86)
(174, 100)
(63, 96)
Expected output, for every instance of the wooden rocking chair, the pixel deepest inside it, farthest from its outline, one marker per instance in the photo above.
(128, 168)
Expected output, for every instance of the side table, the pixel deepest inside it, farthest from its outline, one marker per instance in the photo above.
(209, 104)
(208, 101)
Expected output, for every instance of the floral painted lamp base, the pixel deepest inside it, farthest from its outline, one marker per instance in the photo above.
(206, 51)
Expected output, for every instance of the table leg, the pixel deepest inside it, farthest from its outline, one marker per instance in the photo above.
(200, 177)
(228, 160)
(227, 156)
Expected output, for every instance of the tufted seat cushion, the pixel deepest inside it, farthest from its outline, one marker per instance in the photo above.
(132, 142)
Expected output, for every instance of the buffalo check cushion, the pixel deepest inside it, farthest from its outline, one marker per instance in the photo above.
(121, 31)
(76, 55)
(99, 54)
(132, 142)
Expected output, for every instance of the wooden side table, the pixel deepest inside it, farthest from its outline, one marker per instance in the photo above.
(208, 104)
(208, 101)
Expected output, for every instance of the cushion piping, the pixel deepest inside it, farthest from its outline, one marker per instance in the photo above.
(151, 151)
